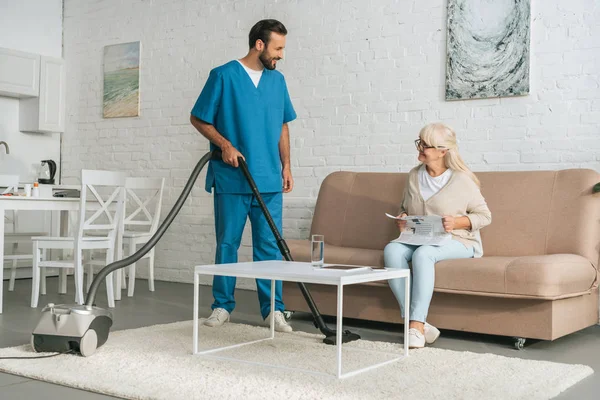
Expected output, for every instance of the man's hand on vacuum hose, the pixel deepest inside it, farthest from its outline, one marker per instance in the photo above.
(230, 155)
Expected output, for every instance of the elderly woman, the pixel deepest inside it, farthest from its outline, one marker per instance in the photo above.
(441, 185)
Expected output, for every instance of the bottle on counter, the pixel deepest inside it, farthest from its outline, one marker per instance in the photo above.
(35, 191)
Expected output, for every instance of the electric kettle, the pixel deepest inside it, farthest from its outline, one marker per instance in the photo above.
(47, 172)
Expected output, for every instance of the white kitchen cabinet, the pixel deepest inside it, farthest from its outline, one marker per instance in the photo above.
(19, 73)
(46, 113)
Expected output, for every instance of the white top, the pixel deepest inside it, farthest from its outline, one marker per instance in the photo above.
(253, 74)
(293, 271)
(430, 185)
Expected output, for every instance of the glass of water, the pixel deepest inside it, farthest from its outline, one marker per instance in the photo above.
(317, 252)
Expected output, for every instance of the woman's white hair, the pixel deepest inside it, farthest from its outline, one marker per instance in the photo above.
(442, 137)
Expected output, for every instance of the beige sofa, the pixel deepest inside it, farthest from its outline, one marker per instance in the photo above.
(538, 275)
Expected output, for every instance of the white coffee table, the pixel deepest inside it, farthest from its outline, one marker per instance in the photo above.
(300, 272)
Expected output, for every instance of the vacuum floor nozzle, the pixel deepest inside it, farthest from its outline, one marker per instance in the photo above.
(347, 337)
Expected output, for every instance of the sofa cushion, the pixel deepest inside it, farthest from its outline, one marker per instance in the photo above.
(541, 212)
(472, 275)
(548, 277)
(552, 275)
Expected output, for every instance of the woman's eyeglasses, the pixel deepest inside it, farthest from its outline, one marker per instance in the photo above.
(422, 146)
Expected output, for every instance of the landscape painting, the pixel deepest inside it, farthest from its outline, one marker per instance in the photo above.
(487, 48)
(122, 80)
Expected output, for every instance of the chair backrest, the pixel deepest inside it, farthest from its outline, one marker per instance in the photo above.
(106, 199)
(10, 183)
(141, 194)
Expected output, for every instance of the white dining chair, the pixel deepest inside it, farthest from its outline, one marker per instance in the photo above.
(14, 236)
(107, 190)
(142, 214)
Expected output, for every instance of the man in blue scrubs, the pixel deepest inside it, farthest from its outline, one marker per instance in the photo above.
(244, 110)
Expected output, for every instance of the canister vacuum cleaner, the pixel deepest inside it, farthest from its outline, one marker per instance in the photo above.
(81, 329)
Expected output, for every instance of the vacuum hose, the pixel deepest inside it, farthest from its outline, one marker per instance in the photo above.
(330, 334)
(91, 295)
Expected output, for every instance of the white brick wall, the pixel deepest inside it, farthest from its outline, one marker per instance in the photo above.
(364, 77)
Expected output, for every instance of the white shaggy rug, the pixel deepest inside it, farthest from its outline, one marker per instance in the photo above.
(156, 363)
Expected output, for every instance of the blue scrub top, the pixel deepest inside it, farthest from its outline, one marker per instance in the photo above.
(251, 118)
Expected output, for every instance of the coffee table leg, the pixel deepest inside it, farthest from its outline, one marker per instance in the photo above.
(338, 339)
(272, 317)
(196, 300)
(406, 313)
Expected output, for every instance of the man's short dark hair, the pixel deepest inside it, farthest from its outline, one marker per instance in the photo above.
(262, 30)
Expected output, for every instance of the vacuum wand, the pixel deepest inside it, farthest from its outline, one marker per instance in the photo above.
(330, 335)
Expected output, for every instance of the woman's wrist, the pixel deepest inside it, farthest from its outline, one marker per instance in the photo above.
(462, 222)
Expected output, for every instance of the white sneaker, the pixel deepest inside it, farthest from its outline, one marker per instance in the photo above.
(218, 317)
(431, 333)
(281, 324)
(416, 340)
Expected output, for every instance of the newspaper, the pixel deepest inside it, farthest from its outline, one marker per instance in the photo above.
(423, 230)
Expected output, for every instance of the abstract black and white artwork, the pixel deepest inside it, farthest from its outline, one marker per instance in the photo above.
(487, 48)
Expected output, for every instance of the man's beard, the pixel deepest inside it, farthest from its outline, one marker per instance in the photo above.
(267, 62)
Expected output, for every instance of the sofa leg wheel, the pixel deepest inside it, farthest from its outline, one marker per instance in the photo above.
(288, 315)
(519, 343)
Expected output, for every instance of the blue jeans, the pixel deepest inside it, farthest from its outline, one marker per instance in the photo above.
(398, 255)
(231, 213)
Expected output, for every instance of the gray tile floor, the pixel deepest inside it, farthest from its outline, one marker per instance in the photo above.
(173, 302)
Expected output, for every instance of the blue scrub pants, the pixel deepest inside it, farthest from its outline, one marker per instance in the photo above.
(398, 255)
(231, 212)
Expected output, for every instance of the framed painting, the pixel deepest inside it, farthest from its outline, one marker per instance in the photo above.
(487, 48)
(121, 80)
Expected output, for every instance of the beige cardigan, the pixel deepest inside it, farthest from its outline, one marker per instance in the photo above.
(459, 197)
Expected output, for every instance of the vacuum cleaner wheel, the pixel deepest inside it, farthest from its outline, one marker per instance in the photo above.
(89, 343)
